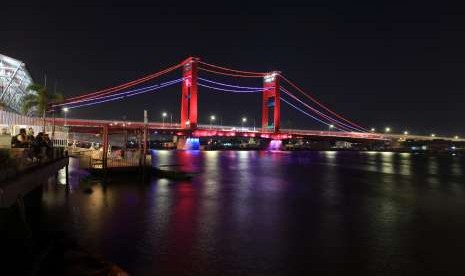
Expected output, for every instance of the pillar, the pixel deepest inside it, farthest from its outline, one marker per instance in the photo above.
(271, 102)
(189, 94)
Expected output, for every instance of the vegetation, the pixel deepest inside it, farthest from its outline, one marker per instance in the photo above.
(39, 100)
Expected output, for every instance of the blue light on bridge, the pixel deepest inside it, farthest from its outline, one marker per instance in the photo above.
(192, 144)
(275, 145)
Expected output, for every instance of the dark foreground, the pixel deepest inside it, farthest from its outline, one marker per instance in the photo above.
(274, 213)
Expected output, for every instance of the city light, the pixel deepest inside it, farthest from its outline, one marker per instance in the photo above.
(433, 135)
(373, 129)
(244, 119)
(65, 109)
(456, 137)
(164, 114)
(405, 132)
(388, 129)
(212, 118)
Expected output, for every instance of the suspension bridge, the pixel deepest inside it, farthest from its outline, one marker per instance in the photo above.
(195, 75)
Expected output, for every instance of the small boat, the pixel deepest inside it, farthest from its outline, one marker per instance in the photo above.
(172, 174)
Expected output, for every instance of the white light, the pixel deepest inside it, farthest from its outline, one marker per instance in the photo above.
(331, 126)
(405, 132)
(244, 119)
(433, 135)
(456, 137)
(388, 129)
(373, 130)
(188, 123)
(212, 117)
(65, 109)
(164, 114)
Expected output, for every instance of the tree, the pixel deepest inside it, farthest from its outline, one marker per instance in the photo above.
(39, 100)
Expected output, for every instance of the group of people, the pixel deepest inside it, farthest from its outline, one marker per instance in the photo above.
(39, 146)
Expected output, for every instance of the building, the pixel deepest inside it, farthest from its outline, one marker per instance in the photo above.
(14, 79)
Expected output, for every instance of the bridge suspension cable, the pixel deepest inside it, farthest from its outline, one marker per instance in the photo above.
(322, 105)
(321, 114)
(258, 74)
(114, 89)
(305, 113)
(123, 95)
(230, 85)
(231, 90)
(229, 74)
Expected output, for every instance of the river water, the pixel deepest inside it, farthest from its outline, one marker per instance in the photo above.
(274, 213)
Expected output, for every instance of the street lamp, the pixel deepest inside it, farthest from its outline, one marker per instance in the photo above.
(373, 129)
(212, 118)
(164, 116)
(433, 135)
(244, 120)
(405, 132)
(456, 137)
(65, 110)
(388, 129)
(331, 127)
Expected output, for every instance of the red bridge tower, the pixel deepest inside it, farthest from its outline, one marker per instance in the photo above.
(189, 94)
(271, 103)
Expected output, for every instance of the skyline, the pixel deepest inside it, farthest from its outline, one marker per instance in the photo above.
(366, 62)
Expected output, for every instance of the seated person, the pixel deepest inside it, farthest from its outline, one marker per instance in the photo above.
(20, 140)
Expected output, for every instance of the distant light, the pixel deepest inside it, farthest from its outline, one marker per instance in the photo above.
(244, 119)
(453, 147)
(188, 123)
(405, 132)
(433, 135)
(164, 114)
(456, 137)
(373, 129)
(331, 126)
(388, 129)
(212, 117)
(65, 109)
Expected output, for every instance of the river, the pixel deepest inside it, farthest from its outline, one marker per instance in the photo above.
(274, 213)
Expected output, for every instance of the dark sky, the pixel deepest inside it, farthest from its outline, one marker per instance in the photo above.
(376, 62)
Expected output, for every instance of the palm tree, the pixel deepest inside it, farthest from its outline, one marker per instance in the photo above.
(39, 100)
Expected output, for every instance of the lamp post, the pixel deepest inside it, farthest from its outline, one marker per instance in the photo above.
(163, 115)
(373, 129)
(212, 118)
(65, 110)
(244, 120)
(406, 133)
(330, 127)
(387, 129)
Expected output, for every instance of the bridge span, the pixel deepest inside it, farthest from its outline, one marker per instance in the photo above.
(207, 130)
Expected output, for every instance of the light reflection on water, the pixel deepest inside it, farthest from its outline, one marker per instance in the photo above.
(281, 213)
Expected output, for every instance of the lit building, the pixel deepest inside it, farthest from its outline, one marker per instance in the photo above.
(14, 79)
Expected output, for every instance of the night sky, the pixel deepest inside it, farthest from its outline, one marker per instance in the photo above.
(379, 64)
